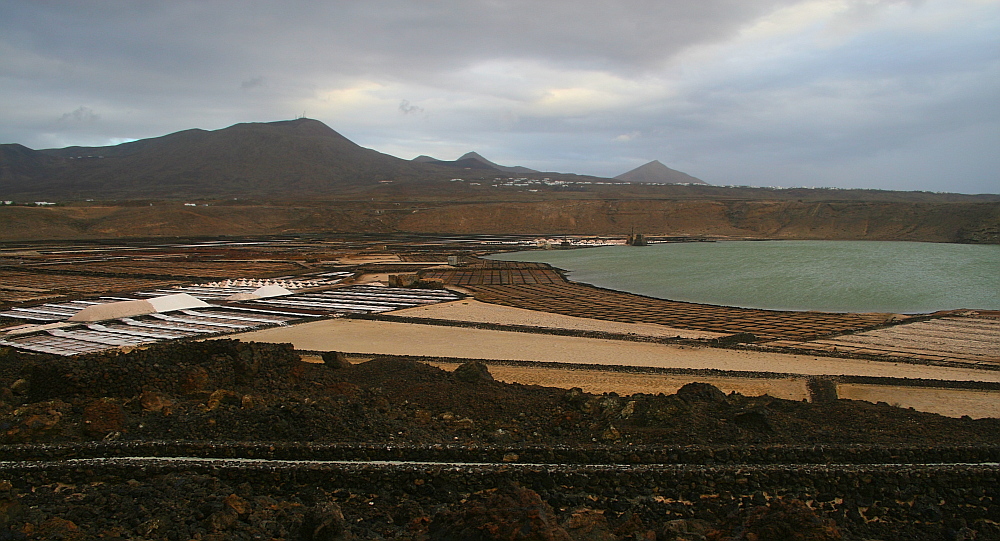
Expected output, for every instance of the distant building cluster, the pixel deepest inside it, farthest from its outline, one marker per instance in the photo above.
(35, 203)
(534, 184)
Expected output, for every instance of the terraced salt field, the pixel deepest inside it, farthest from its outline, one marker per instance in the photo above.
(539, 287)
(16, 286)
(970, 338)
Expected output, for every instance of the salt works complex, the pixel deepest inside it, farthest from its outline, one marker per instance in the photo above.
(87, 326)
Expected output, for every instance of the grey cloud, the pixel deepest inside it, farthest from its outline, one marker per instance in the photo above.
(253, 82)
(407, 109)
(80, 114)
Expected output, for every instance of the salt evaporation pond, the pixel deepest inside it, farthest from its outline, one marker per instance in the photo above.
(833, 276)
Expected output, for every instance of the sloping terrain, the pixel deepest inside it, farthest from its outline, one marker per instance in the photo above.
(932, 222)
(766, 219)
(278, 159)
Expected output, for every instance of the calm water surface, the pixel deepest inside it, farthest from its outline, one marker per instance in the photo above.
(834, 276)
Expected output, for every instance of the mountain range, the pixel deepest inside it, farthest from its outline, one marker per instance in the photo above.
(299, 158)
(296, 157)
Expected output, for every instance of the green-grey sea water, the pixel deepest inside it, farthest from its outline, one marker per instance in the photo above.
(833, 276)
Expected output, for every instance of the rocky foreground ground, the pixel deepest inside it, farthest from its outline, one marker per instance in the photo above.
(86, 442)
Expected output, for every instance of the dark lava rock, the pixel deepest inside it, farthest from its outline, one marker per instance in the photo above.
(152, 401)
(102, 417)
(684, 530)
(509, 513)
(779, 520)
(335, 360)
(701, 392)
(196, 379)
(738, 338)
(576, 397)
(473, 372)
(588, 525)
(58, 528)
(822, 390)
(261, 401)
(325, 522)
(755, 419)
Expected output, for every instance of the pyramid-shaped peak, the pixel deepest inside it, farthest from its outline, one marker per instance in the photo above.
(474, 156)
(656, 172)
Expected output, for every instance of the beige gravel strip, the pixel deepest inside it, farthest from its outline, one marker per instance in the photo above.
(473, 311)
(623, 383)
(950, 402)
(380, 337)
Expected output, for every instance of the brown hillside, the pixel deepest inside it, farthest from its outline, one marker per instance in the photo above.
(935, 222)
(954, 222)
(298, 158)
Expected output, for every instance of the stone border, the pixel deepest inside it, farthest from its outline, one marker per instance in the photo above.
(870, 501)
(596, 455)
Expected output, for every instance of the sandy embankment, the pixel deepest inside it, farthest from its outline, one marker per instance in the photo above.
(950, 402)
(388, 338)
(623, 383)
(470, 310)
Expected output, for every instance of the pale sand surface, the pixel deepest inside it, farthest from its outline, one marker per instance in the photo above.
(950, 402)
(598, 381)
(371, 279)
(470, 310)
(361, 259)
(380, 337)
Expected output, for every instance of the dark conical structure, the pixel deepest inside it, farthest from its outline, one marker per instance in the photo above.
(656, 172)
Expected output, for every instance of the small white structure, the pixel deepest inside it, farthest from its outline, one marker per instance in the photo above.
(177, 301)
(272, 290)
(262, 292)
(117, 310)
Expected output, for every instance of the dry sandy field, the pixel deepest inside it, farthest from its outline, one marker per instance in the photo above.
(366, 337)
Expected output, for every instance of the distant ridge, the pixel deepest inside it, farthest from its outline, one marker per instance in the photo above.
(473, 160)
(656, 172)
(290, 158)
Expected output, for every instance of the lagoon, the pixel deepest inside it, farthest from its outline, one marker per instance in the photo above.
(831, 276)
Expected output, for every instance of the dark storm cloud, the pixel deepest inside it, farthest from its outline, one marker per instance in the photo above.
(761, 91)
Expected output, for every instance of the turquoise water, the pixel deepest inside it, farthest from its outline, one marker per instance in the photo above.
(832, 276)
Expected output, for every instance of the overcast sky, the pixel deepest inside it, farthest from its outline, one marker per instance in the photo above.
(891, 94)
